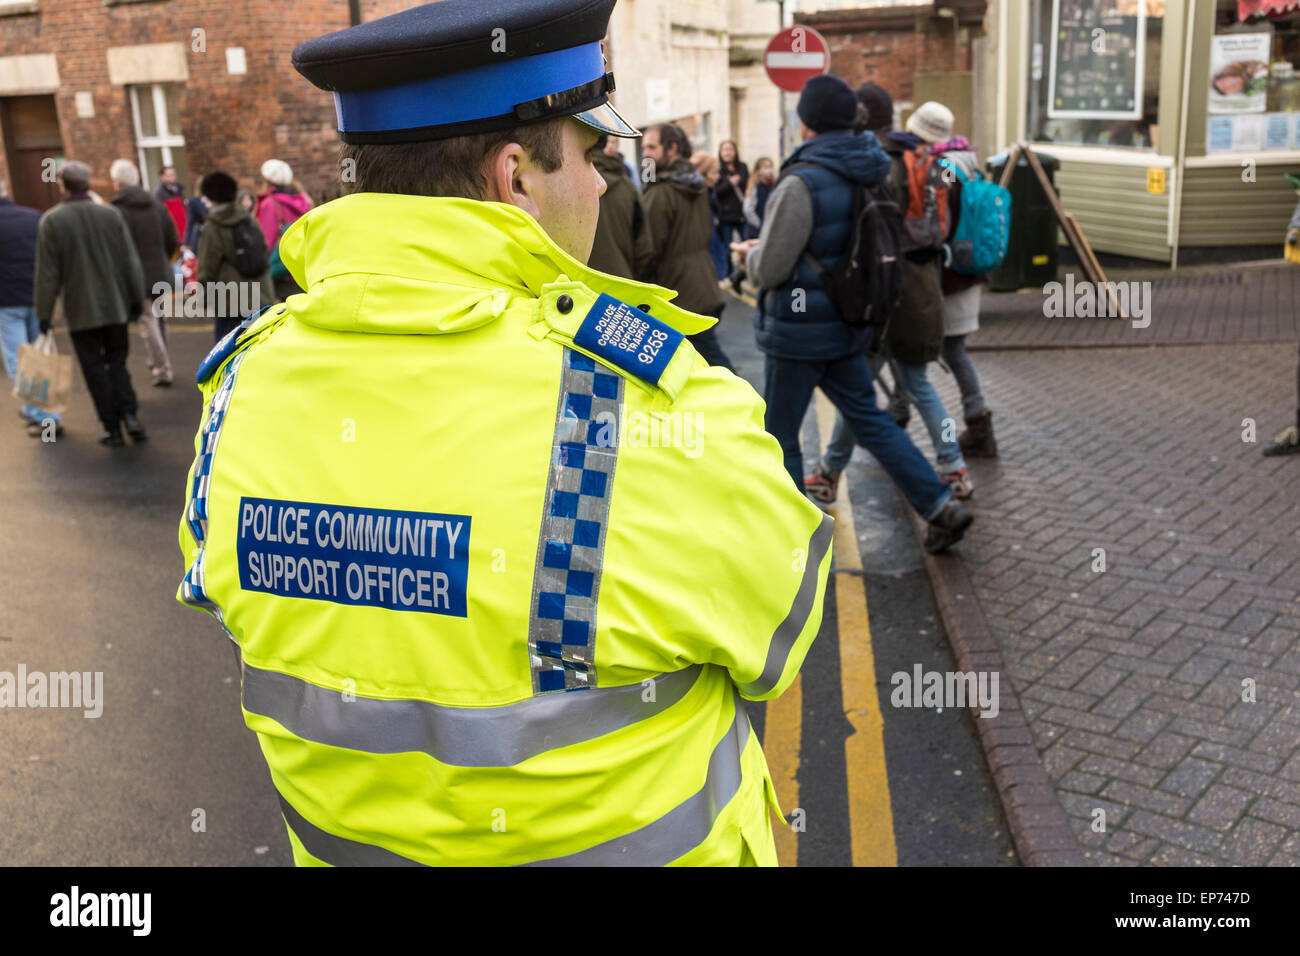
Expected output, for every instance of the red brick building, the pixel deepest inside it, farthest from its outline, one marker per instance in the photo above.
(893, 46)
(198, 84)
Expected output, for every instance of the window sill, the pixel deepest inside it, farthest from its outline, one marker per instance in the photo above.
(1105, 155)
(20, 8)
(1272, 157)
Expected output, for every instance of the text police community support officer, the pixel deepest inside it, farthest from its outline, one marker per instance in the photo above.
(491, 607)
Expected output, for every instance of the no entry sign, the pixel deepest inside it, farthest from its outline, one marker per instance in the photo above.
(794, 56)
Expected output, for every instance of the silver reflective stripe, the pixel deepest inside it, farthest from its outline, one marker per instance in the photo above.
(459, 736)
(686, 825)
(675, 834)
(788, 631)
(336, 850)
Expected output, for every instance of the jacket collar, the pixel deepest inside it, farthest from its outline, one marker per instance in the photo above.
(373, 262)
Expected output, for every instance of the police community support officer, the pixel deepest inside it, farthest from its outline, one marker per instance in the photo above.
(500, 585)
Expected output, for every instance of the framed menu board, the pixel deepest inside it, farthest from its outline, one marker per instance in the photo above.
(1098, 58)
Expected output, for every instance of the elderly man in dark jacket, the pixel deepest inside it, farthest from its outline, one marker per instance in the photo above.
(807, 344)
(84, 252)
(156, 242)
(623, 245)
(681, 225)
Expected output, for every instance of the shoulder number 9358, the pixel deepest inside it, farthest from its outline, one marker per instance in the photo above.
(650, 351)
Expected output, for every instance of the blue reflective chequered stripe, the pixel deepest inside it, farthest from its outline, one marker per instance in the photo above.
(570, 552)
(196, 509)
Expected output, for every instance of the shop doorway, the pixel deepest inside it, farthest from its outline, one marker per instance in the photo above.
(30, 126)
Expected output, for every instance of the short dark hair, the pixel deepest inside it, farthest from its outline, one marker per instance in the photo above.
(671, 133)
(447, 167)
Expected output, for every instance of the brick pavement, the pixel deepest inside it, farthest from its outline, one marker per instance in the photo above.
(1131, 679)
(1244, 303)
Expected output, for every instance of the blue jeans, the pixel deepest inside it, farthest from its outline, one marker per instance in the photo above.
(941, 426)
(915, 387)
(18, 326)
(788, 387)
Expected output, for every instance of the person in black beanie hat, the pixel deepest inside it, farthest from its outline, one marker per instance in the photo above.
(877, 109)
(231, 239)
(806, 343)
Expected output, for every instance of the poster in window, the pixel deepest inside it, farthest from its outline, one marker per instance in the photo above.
(1277, 131)
(1239, 72)
(1098, 58)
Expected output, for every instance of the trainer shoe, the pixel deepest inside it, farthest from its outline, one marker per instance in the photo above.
(960, 483)
(1287, 443)
(820, 485)
(947, 527)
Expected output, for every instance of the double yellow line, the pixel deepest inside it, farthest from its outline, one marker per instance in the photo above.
(871, 819)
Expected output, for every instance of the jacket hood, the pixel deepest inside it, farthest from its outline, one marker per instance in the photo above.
(227, 214)
(134, 197)
(857, 157)
(902, 140)
(611, 167)
(373, 262)
(297, 202)
(684, 177)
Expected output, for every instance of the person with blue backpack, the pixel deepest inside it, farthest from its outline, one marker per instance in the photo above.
(979, 244)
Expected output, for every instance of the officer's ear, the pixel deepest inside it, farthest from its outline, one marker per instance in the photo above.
(514, 178)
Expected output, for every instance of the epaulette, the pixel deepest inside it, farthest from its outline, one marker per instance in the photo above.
(627, 338)
(233, 341)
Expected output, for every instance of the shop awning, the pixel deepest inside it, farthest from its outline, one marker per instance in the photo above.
(1266, 8)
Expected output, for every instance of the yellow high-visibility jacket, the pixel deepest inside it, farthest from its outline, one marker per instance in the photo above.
(499, 551)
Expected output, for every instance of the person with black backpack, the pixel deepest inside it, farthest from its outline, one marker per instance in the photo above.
(234, 265)
(827, 266)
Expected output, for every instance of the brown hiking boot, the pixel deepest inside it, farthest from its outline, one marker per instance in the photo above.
(976, 440)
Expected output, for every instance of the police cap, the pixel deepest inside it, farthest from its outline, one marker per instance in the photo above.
(460, 67)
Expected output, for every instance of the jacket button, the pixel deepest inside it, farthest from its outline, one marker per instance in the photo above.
(564, 304)
(644, 308)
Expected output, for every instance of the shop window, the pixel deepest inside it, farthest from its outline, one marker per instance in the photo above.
(156, 113)
(1095, 72)
(1254, 94)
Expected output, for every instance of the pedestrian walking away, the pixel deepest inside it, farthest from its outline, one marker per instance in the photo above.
(279, 206)
(154, 233)
(914, 337)
(526, 669)
(807, 344)
(234, 268)
(19, 226)
(86, 255)
(677, 207)
(961, 297)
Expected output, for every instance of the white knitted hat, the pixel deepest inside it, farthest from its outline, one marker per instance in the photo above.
(932, 122)
(277, 172)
